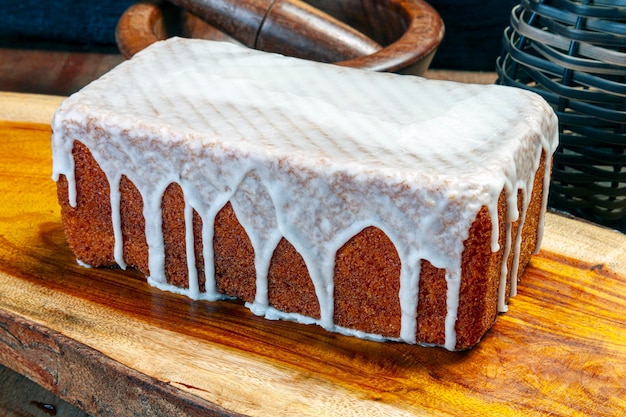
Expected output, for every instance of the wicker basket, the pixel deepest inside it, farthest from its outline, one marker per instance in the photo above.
(573, 53)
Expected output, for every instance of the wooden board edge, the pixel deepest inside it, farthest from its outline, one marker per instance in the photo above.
(33, 108)
(586, 242)
(82, 376)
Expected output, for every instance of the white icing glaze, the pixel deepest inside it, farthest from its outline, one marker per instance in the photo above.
(83, 264)
(310, 152)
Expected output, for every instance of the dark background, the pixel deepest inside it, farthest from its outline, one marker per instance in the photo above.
(472, 40)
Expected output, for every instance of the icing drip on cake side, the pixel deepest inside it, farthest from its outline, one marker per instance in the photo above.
(310, 152)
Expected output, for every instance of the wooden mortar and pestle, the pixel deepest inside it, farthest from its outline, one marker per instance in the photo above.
(380, 35)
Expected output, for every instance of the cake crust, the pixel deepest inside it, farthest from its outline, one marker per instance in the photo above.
(367, 270)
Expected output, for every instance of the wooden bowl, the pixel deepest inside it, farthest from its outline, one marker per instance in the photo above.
(410, 31)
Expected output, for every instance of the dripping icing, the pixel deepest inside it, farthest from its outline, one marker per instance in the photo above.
(381, 178)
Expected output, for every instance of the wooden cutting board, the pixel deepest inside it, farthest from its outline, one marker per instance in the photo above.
(106, 341)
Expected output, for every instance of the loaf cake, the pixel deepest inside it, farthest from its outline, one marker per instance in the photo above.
(383, 206)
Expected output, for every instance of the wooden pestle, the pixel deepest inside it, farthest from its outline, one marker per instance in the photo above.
(289, 27)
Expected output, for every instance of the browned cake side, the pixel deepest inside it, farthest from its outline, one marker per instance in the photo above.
(367, 267)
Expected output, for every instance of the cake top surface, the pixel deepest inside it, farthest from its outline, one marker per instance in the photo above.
(203, 92)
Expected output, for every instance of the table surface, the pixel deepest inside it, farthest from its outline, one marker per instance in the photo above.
(569, 238)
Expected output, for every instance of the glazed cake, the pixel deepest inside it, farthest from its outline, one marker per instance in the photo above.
(382, 206)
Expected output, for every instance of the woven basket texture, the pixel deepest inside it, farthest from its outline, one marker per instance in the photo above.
(573, 53)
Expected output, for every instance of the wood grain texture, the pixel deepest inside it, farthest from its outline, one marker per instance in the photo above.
(559, 351)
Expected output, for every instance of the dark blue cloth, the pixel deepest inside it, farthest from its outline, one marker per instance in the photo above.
(473, 39)
(85, 22)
